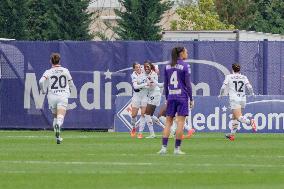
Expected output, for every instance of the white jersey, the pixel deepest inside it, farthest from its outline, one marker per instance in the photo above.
(236, 84)
(139, 82)
(57, 81)
(140, 93)
(154, 91)
(152, 78)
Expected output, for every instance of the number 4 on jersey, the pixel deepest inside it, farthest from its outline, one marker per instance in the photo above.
(174, 80)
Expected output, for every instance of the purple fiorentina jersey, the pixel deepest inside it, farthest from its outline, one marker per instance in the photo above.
(177, 83)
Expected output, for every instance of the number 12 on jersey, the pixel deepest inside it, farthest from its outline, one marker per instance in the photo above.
(239, 86)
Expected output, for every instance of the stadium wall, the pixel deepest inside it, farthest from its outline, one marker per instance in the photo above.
(101, 72)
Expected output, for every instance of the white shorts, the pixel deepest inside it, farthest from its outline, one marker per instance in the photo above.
(237, 104)
(57, 102)
(139, 100)
(154, 99)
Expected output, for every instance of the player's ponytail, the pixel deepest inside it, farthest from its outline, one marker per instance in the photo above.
(176, 55)
(55, 58)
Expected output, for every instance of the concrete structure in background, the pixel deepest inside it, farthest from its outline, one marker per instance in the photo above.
(235, 35)
(105, 18)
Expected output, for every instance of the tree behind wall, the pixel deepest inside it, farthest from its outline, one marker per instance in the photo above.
(13, 16)
(38, 19)
(59, 19)
(240, 13)
(139, 19)
(257, 15)
(199, 16)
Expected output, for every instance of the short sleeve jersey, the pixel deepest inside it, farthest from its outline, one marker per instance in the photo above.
(177, 83)
(236, 85)
(57, 79)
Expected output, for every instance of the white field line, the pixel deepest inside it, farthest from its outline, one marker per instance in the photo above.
(78, 163)
(96, 135)
(197, 155)
(67, 136)
(108, 172)
(143, 164)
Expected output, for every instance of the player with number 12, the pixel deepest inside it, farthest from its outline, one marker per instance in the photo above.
(235, 85)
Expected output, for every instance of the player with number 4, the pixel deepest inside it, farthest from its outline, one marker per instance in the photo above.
(235, 85)
(178, 94)
(58, 82)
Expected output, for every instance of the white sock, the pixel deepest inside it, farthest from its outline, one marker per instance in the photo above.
(141, 124)
(235, 125)
(163, 119)
(133, 121)
(243, 119)
(157, 121)
(54, 123)
(187, 124)
(60, 120)
(174, 127)
(149, 124)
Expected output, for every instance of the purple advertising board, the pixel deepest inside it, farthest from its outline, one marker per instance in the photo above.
(213, 114)
(101, 72)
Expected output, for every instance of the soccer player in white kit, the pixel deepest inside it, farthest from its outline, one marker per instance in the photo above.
(139, 98)
(235, 85)
(154, 96)
(58, 82)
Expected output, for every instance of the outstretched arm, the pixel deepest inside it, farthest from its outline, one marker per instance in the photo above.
(250, 89)
(222, 90)
(41, 84)
(224, 87)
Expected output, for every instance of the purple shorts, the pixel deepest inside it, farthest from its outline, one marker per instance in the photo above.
(179, 107)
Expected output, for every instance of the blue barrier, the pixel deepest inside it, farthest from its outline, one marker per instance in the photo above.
(101, 72)
(212, 114)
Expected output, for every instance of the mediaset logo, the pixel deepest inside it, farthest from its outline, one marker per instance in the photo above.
(267, 114)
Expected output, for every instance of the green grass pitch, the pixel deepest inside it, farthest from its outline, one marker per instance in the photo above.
(32, 160)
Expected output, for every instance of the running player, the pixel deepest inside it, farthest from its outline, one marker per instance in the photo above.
(139, 98)
(178, 94)
(235, 84)
(58, 82)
